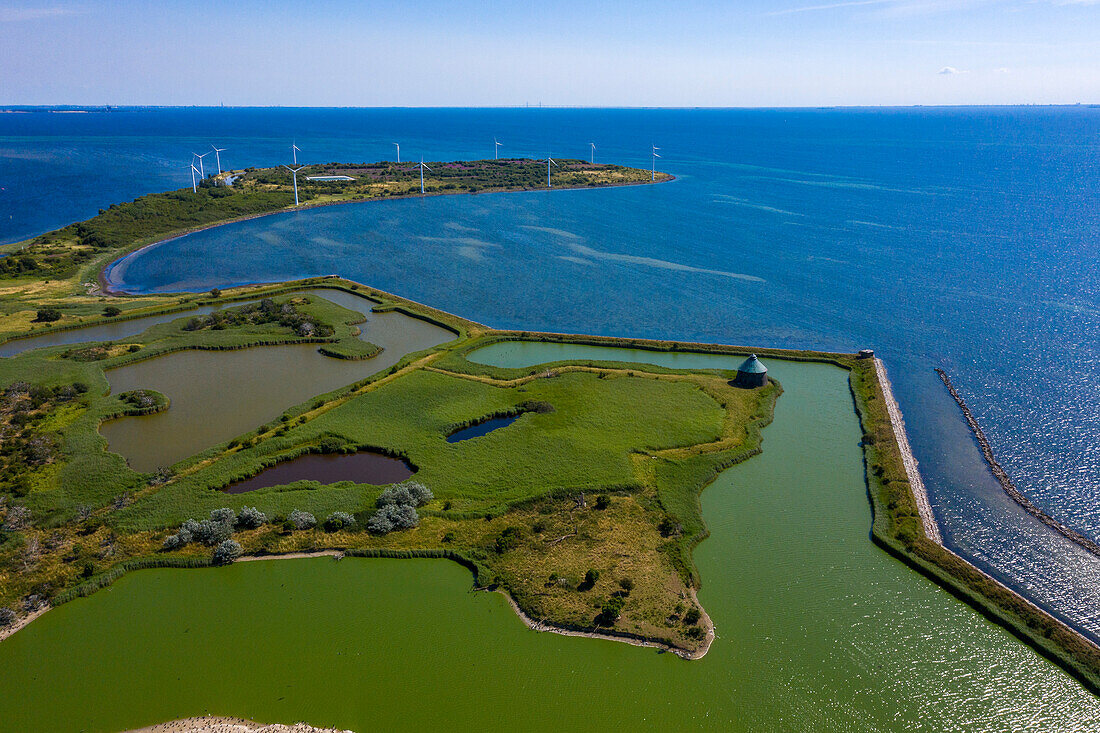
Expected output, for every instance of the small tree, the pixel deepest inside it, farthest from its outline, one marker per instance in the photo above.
(302, 520)
(627, 585)
(226, 552)
(692, 616)
(7, 617)
(215, 293)
(603, 501)
(111, 311)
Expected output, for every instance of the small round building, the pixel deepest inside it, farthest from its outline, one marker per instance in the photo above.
(751, 373)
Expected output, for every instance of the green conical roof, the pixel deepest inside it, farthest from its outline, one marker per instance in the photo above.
(752, 365)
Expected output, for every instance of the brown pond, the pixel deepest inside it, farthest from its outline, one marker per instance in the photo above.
(364, 467)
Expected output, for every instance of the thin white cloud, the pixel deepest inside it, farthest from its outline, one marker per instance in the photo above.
(1002, 70)
(17, 15)
(829, 6)
(951, 70)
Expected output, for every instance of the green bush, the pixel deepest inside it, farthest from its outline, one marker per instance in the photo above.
(47, 315)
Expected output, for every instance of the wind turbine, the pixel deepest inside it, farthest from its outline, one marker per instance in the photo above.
(550, 160)
(592, 160)
(218, 155)
(294, 150)
(398, 146)
(294, 172)
(653, 169)
(202, 170)
(496, 148)
(421, 166)
(194, 170)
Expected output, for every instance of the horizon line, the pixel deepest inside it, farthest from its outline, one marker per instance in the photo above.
(62, 106)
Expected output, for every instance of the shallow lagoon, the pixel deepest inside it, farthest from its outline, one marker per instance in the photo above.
(217, 395)
(818, 630)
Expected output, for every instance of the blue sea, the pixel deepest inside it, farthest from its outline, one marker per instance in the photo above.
(961, 238)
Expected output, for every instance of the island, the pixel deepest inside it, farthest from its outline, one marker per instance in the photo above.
(569, 480)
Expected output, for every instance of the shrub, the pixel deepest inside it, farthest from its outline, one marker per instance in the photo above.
(332, 444)
(603, 501)
(173, 542)
(392, 517)
(509, 539)
(224, 515)
(47, 315)
(590, 579)
(302, 520)
(215, 293)
(338, 521)
(7, 617)
(626, 584)
(251, 518)
(111, 311)
(449, 537)
(612, 609)
(406, 493)
(226, 552)
(692, 616)
(398, 495)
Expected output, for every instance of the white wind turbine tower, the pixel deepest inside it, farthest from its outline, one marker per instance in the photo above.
(294, 172)
(496, 149)
(202, 170)
(194, 184)
(653, 169)
(550, 160)
(421, 166)
(398, 146)
(218, 156)
(592, 160)
(294, 150)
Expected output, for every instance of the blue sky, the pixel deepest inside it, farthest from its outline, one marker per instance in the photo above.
(558, 52)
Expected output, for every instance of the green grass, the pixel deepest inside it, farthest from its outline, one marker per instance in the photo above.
(585, 444)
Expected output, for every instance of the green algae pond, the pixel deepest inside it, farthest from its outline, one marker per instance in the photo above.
(217, 395)
(817, 629)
